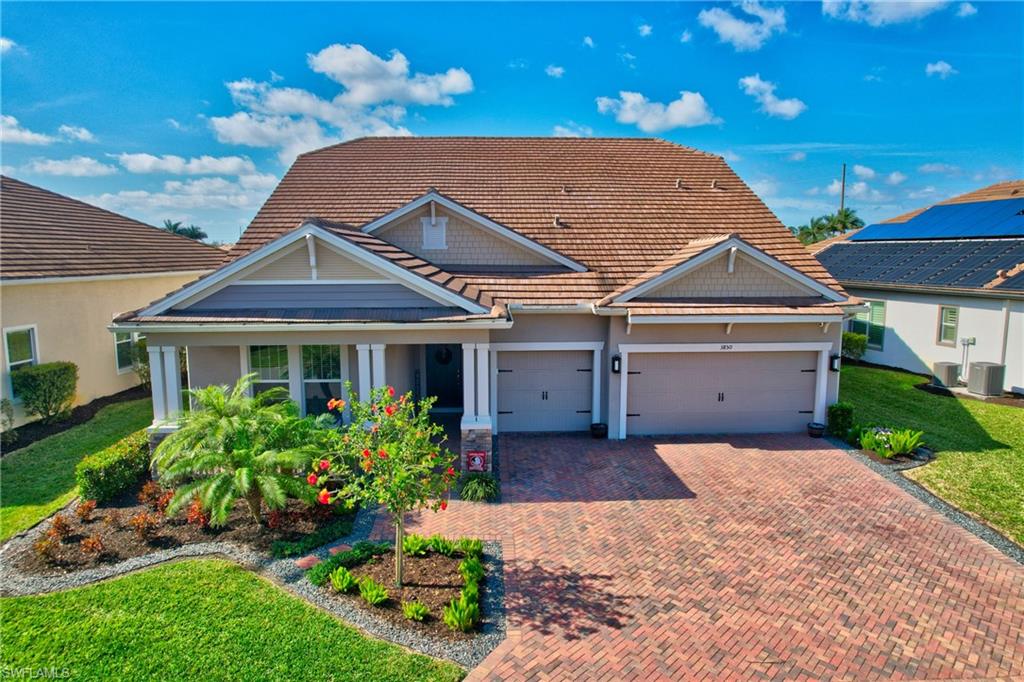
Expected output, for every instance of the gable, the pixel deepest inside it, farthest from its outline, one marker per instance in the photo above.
(294, 264)
(749, 279)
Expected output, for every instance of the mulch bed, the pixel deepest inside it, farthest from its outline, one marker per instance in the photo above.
(110, 521)
(433, 580)
(1008, 399)
(898, 460)
(29, 433)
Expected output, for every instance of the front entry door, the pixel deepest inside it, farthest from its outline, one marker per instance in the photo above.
(444, 375)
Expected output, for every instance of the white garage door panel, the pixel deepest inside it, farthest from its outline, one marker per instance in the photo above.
(525, 376)
(679, 392)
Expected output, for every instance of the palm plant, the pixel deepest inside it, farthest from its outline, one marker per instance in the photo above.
(844, 220)
(814, 231)
(191, 231)
(231, 446)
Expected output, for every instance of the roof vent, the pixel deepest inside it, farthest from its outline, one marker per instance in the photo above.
(566, 189)
(714, 185)
(680, 184)
(557, 222)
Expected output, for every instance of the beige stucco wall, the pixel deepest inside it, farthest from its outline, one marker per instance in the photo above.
(71, 321)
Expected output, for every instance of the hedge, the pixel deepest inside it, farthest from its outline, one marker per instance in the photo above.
(46, 390)
(360, 553)
(840, 419)
(854, 345)
(111, 471)
(333, 531)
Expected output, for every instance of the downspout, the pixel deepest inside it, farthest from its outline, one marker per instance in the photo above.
(1006, 331)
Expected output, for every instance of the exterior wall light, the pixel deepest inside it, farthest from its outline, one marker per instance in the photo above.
(616, 364)
(834, 362)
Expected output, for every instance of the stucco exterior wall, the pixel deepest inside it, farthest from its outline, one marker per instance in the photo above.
(213, 366)
(912, 324)
(71, 321)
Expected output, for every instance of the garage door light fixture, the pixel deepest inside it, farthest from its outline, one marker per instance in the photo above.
(616, 364)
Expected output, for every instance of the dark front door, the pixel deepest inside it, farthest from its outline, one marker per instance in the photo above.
(444, 375)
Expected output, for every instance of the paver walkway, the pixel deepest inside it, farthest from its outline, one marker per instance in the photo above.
(764, 557)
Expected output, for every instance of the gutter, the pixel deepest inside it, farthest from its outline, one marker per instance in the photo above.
(156, 328)
(102, 278)
(925, 289)
(575, 308)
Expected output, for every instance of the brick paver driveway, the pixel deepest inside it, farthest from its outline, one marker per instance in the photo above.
(752, 557)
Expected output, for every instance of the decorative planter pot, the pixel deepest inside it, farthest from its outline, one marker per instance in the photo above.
(598, 430)
(815, 429)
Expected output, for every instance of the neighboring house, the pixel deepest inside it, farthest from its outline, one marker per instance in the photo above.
(531, 284)
(937, 276)
(66, 268)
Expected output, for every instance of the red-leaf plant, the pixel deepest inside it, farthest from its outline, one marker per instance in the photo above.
(404, 467)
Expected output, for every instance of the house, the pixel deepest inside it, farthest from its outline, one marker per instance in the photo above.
(944, 283)
(530, 284)
(65, 269)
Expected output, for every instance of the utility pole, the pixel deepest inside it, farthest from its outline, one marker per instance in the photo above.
(842, 191)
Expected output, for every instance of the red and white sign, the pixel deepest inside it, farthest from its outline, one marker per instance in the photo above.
(476, 460)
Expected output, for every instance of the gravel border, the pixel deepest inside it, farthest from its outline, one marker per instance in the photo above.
(287, 575)
(893, 474)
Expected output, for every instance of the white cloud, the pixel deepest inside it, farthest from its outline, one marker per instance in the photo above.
(863, 171)
(290, 136)
(76, 133)
(941, 68)
(177, 165)
(895, 178)
(730, 156)
(685, 36)
(629, 59)
(688, 111)
(516, 64)
(258, 181)
(855, 190)
(6, 44)
(880, 12)
(645, 30)
(11, 132)
(76, 166)
(939, 168)
(555, 71)
(572, 129)
(764, 92)
(178, 195)
(966, 9)
(176, 124)
(922, 193)
(744, 34)
(588, 41)
(764, 187)
(798, 156)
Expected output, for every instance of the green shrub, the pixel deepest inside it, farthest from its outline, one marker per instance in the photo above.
(414, 610)
(442, 545)
(471, 591)
(360, 553)
(415, 545)
(7, 433)
(461, 614)
(854, 345)
(471, 569)
(890, 442)
(470, 547)
(905, 441)
(372, 592)
(479, 487)
(109, 472)
(46, 390)
(342, 580)
(840, 419)
(333, 531)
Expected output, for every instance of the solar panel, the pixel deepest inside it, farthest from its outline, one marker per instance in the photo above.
(1003, 218)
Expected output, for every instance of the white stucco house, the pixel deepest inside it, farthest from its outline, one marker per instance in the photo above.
(944, 283)
(531, 284)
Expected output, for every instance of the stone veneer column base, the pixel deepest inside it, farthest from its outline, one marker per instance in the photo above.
(477, 439)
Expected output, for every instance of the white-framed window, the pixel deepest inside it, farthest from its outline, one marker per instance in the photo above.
(871, 324)
(124, 350)
(434, 233)
(949, 318)
(270, 363)
(22, 348)
(321, 377)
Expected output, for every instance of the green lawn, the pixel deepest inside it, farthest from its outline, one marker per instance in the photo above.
(980, 463)
(40, 478)
(197, 619)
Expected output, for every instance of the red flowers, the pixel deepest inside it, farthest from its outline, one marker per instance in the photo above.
(312, 479)
(335, 403)
(382, 453)
(366, 453)
(391, 391)
(433, 455)
(390, 410)
(450, 472)
(367, 465)
(444, 504)
(324, 465)
(324, 497)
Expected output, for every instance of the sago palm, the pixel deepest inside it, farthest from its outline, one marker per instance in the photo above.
(231, 446)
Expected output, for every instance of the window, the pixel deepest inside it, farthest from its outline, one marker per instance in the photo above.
(22, 350)
(270, 363)
(871, 324)
(948, 318)
(321, 376)
(434, 234)
(124, 349)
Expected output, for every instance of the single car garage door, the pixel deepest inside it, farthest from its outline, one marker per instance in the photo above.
(544, 390)
(719, 392)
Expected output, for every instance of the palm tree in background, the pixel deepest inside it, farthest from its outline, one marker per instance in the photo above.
(814, 231)
(844, 220)
(192, 232)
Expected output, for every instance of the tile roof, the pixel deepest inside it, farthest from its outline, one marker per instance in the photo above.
(796, 305)
(44, 234)
(818, 247)
(322, 315)
(625, 204)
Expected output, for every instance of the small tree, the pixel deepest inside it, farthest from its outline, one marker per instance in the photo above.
(403, 466)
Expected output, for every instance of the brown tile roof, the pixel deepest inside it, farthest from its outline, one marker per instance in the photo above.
(305, 315)
(1011, 189)
(818, 247)
(797, 305)
(44, 234)
(626, 203)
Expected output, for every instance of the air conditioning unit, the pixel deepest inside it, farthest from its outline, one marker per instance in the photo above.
(986, 378)
(945, 374)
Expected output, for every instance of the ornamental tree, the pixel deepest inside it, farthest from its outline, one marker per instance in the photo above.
(403, 465)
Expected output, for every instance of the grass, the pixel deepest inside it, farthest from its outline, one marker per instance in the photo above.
(40, 478)
(197, 619)
(980, 462)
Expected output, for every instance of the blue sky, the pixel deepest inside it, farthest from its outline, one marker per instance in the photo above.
(194, 111)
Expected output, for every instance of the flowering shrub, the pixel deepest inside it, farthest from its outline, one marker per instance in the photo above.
(92, 546)
(60, 529)
(144, 525)
(84, 510)
(888, 443)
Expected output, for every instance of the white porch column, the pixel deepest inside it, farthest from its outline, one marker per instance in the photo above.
(821, 387)
(243, 365)
(380, 379)
(156, 383)
(172, 381)
(483, 383)
(494, 392)
(365, 381)
(595, 388)
(468, 385)
(295, 377)
(345, 375)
